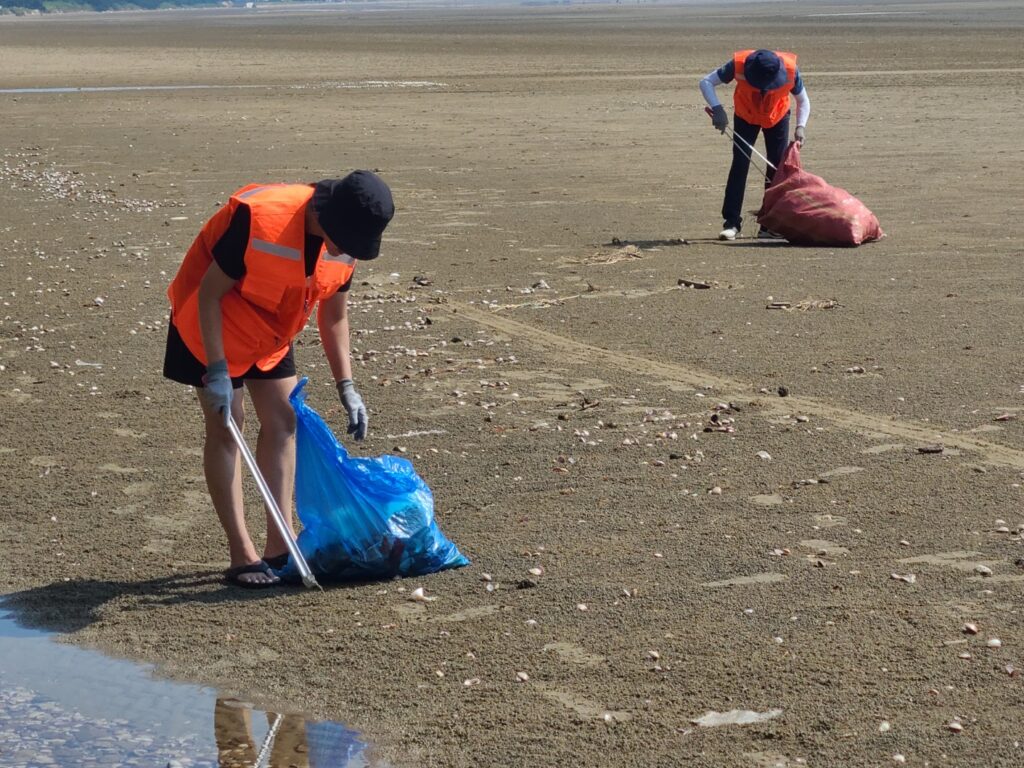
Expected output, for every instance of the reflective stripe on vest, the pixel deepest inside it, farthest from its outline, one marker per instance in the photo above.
(271, 304)
(766, 109)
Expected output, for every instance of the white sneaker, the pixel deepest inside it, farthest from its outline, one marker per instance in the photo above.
(729, 233)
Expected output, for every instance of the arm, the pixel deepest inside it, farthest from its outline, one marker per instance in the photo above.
(707, 88)
(332, 317)
(213, 287)
(803, 108)
(332, 320)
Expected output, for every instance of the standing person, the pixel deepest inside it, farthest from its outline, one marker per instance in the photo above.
(764, 81)
(246, 288)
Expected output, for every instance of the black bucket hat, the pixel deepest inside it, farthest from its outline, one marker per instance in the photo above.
(354, 211)
(764, 70)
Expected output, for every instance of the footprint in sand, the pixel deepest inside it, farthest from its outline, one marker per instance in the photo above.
(575, 654)
(739, 581)
(767, 499)
(117, 469)
(138, 489)
(584, 708)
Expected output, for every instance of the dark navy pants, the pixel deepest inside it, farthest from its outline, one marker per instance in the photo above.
(776, 139)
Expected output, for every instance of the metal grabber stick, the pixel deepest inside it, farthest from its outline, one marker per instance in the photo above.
(308, 579)
(732, 135)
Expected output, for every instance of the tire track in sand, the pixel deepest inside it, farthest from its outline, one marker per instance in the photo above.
(676, 377)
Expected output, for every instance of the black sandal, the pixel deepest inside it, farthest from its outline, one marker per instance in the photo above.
(277, 562)
(232, 576)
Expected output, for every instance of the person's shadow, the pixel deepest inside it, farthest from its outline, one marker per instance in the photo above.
(69, 606)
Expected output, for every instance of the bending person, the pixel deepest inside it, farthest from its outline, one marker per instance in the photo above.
(248, 285)
(764, 81)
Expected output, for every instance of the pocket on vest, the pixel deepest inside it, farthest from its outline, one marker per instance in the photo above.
(263, 292)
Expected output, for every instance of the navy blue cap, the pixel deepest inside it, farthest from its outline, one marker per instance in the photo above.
(764, 70)
(354, 211)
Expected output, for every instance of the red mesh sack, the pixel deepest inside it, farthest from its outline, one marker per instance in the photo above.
(807, 210)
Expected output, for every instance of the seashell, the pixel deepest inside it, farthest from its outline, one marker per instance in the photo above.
(984, 570)
(522, 677)
(964, 655)
(581, 606)
(471, 682)
(654, 655)
(954, 726)
(486, 577)
(716, 491)
(884, 726)
(1010, 670)
(994, 642)
(910, 578)
(420, 596)
(970, 628)
(764, 455)
(898, 758)
(530, 622)
(536, 571)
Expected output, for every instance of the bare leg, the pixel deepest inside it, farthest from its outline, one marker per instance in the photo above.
(275, 450)
(222, 467)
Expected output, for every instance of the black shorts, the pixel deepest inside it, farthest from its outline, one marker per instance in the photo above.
(182, 366)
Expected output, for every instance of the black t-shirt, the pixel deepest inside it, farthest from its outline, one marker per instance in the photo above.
(229, 252)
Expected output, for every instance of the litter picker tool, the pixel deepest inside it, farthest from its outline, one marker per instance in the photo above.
(308, 579)
(750, 149)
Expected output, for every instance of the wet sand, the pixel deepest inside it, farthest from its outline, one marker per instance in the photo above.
(824, 589)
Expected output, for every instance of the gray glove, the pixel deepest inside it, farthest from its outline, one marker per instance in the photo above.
(799, 134)
(217, 389)
(355, 408)
(719, 119)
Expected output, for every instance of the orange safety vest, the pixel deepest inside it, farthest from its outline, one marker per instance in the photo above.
(760, 109)
(272, 302)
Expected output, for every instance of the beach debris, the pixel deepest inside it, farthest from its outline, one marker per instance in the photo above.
(470, 682)
(994, 642)
(970, 628)
(954, 727)
(764, 455)
(982, 570)
(419, 595)
(692, 284)
(536, 571)
(522, 677)
(909, 578)
(712, 718)
(884, 727)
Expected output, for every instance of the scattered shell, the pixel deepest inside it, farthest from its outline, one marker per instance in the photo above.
(994, 642)
(970, 628)
(716, 491)
(764, 455)
(965, 655)
(910, 578)
(522, 677)
(581, 606)
(420, 596)
(471, 682)
(654, 655)
(884, 726)
(530, 622)
(486, 577)
(1010, 670)
(984, 570)
(536, 571)
(898, 758)
(954, 726)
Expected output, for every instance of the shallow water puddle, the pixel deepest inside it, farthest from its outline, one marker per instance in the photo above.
(61, 705)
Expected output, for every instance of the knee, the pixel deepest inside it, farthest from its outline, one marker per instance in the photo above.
(279, 426)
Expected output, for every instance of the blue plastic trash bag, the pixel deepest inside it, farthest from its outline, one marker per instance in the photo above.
(362, 519)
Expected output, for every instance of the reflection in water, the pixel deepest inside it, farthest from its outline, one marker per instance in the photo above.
(290, 741)
(67, 707)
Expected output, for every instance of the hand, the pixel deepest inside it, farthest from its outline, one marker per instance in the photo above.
(355, 408)
(217, 390)
(719, 119)
(798, 135)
